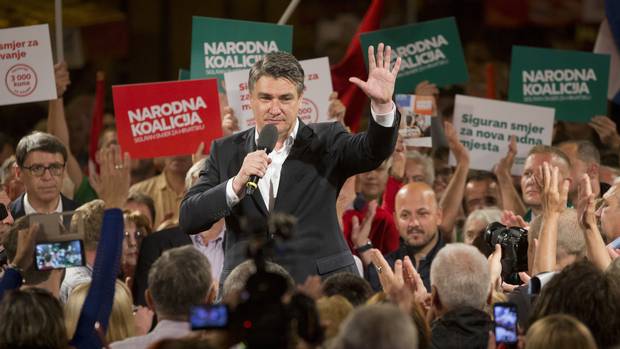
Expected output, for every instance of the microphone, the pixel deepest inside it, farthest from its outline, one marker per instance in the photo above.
(266, 141)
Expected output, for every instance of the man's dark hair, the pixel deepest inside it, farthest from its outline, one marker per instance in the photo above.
(586, 151)
(32, 318)
(352, 287)
(587, 293)
(479, 175)
(547, 149)
(143, 199)
(39, 141)
(278, 65)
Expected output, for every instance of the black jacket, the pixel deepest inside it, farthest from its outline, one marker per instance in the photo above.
(153, 246)
(321, 159)
(18, 209)
(465, 328)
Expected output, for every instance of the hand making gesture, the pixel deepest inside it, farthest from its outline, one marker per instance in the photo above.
(381, 80)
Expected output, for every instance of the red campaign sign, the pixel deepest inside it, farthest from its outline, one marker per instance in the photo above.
(167, 118)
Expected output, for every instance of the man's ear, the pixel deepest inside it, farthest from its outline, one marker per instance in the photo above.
(435, 299)
(18, 171)
(149, 300)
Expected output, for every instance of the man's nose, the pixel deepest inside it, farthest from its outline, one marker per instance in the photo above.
(275, 108)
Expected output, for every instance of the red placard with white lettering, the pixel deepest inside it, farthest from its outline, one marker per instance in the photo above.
(167, 118)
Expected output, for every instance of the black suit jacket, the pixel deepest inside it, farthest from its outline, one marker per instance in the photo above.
(322, 157)
(18, 210)
(152, 247)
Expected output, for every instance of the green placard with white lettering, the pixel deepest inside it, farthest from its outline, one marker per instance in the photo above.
(572, 82)
(429, 51)
(223, 45)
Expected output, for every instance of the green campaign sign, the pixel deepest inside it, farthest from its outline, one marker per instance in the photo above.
(429, 51)
(223, 45)
(572, 82)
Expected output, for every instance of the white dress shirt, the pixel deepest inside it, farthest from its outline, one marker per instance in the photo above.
(269, 183)
(213, 250)
(28, 209)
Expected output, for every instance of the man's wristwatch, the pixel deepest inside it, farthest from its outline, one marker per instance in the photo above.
(364, 248)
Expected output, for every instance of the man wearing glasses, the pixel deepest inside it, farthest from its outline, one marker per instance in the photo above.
(41, 160)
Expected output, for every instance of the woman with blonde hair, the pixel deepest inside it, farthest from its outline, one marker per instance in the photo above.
(122, 324)
(559, 331)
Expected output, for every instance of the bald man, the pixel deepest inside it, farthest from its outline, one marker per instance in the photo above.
(417, 216)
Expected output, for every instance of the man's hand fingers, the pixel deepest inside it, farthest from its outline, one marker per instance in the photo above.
(372, 63)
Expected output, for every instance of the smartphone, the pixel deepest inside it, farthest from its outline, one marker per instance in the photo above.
(59, 255)
(204, 317)
(505, 315)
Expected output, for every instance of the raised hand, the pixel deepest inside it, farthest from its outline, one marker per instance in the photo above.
(606, 130)
(504, 166)
(115, 176)
(61, 75)
(425, 88)
(199, 154)
(585, 204)
(230, 123)
(381, 80)
(336, 109)
(461, 154)
(25, 246)
(360, 232)
(554, 196)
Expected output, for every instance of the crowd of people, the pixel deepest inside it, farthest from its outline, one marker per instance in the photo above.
(350, 241)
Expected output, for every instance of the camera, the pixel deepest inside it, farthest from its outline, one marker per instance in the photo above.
(262, 319)
(513, 241)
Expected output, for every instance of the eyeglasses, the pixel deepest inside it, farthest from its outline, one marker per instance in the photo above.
(55, 169)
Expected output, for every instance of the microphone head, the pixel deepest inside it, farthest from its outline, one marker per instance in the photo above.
(267, 138)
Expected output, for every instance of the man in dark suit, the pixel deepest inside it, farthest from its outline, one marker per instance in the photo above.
(153, 246)
(41, 165)
(304, 173)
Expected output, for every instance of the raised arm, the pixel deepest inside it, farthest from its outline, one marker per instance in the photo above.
(57, 123)
(511, 200)
(115, 179)
(595, 246)
(553, 199)
(452, 198)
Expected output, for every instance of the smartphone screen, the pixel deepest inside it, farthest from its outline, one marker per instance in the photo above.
(209, 316)
(59, 255)
(505, 315)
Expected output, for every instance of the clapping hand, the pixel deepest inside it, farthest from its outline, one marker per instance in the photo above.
(554, 196)
(381, 80)
(585, 204)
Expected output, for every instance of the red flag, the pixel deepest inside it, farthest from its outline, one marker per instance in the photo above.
(97, 120)
(353, 65)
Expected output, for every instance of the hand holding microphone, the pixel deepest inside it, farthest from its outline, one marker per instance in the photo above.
(255, 163)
